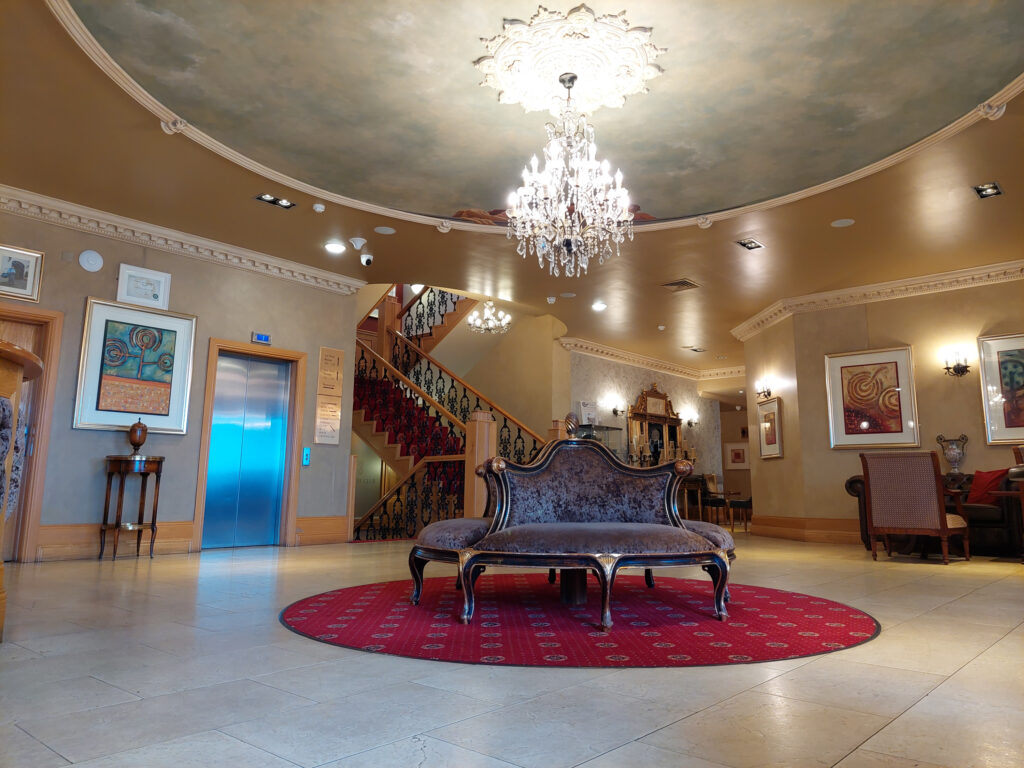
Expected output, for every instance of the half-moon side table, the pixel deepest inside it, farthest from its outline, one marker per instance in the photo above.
(17, 365)
(122, 466)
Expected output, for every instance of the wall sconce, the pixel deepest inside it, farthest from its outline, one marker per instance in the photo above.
(763, 388)
(691, 417)
(956, 363)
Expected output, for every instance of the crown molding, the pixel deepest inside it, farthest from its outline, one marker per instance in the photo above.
(971, 277)
(65, 214)
(172, 124)
(592, 348)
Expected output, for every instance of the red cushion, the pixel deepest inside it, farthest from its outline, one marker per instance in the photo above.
(982, 485)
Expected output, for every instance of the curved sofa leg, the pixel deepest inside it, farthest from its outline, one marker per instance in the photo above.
(477, 570)
(606, 576)
(719, 572)
(649, 577)
(416, 566)
(466, 574)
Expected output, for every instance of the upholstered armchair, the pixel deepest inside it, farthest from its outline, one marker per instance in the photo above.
(905, 495)
(712, 499)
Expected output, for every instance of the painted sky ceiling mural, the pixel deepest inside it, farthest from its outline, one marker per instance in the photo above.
(381, 101)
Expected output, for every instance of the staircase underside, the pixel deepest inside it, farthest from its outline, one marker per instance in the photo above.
(389, 453)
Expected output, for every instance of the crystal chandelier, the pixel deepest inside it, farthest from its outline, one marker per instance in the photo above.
(572, 210)
(491, 321)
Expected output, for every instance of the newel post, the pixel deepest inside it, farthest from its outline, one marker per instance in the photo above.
(481, 444)
(387, 319)
(558, 430)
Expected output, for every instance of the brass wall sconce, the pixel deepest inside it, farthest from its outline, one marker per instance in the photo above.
(763, 389)
(958, 367)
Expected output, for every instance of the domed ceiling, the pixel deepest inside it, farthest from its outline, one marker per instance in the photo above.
(380, 102)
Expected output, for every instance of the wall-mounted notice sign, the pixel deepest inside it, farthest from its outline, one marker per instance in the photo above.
(328, 397)
(329, 373)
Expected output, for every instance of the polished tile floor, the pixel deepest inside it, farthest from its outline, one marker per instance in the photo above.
(180, 661)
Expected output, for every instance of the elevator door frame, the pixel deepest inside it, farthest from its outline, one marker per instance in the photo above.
(293, 442)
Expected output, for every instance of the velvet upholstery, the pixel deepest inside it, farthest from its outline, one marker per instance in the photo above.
(716, 534)
(591, 538)
(458, 533)
(578, 485)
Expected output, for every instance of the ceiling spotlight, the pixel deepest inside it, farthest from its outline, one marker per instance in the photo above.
(384, 230)
(285, 203)
(599, 306)
(334, 247)
(552, 299)
(319, 207)
(661, 327)
(568, 295)
(699, 349)
(721, 357)
(840, 223)
(277, 202)
(266, 196)
(989, 189)
(357, 242)
(749, 243)
(416, 288)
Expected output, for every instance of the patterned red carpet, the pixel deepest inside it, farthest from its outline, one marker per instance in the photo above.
(520, 621)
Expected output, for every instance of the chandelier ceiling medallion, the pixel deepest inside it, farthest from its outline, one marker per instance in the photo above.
(571, 209)
(491, 321)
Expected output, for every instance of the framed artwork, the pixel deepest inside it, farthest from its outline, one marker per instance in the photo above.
(21, 272)
(145, 287)
(1002, 387)
(737, 456)
(871, 401)
(135, 364)
(769, 428)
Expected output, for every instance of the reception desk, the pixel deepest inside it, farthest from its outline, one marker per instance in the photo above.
(16, 366)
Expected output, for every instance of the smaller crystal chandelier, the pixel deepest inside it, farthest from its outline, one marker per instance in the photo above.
(572, 210)
(492, 321)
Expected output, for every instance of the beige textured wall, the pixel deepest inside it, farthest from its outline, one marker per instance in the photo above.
(229, 303)
(518, 372)
(733, 422)
(808, 481)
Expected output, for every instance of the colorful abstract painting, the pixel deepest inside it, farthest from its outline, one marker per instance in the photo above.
(137, 369)
(1011, 385)
(871, 399)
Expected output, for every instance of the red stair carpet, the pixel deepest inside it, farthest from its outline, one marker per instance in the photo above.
(520, 621)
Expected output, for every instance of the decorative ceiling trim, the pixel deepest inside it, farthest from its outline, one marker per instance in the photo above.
(865, 294)
(171, 123)
(73, 216)
(592, 348)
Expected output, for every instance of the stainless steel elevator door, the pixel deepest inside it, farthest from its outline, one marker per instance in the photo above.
(248, 444)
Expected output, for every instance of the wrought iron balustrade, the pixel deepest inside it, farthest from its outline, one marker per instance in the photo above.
(427, 311)
(432, 492)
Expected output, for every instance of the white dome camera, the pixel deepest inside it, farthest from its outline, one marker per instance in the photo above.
(366, 259)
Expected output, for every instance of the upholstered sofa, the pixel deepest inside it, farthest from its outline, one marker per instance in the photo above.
(578, 507)
(995, 528)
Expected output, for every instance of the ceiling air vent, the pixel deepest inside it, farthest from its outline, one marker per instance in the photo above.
(680, 285)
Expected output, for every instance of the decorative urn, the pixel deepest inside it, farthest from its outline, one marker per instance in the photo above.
(137, 436)
(954, 450)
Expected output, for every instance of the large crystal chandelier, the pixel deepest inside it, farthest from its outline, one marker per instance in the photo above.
(491, 321)
(572, 209)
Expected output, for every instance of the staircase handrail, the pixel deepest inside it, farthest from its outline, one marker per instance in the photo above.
(413, 386)
(398, 485)
(377, 304)
(405, 310)
(540, 440)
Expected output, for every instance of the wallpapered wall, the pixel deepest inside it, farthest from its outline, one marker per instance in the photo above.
(597, 379)
(229, 303)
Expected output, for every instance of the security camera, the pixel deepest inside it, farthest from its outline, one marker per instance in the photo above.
(366, 259)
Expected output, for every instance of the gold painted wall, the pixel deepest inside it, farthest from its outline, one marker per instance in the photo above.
(518, 373)
(808, 481)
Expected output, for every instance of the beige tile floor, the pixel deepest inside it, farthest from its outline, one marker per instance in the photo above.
(180, 661)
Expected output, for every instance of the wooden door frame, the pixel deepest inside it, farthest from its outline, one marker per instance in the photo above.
(293, 441)
(52, 325)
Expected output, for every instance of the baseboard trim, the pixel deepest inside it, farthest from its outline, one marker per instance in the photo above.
(82, 541)
(820, 530)
(321, 530)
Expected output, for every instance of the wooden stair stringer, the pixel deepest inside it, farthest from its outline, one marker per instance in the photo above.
(390, 453)
(463, 307)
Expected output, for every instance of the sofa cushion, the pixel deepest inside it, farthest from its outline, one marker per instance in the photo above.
(579, 485)
(716, 534)
(595, 539)
(458, 533)
(983, 484)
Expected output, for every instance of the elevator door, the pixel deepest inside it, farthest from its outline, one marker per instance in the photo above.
(248, 444)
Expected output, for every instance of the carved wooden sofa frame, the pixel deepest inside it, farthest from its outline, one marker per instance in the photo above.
(622, 511)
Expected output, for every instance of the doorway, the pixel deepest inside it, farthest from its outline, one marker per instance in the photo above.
(248, 448)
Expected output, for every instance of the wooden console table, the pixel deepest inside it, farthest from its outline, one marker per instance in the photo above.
(17, 365)
(122, 466)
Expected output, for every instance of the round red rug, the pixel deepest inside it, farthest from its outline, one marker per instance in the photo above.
(520, 620)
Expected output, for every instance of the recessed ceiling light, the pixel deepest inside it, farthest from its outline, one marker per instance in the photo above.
(599, 306)
(741, 391)
(384, 230)
(699, 349)
(989, 189)
(661, 327)
(840, 223)
(416, 287)
(552, 299)
(278, 202)
(334, 246)
(568, 295)
(749, 243)
(687, 346)
(721, 357)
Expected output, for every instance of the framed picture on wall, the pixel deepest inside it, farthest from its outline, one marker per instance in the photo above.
(1002, 387)
(144, 287)
(871, 400)
(769, 428)
(135, 364)
(737, 456)
(21, 272)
